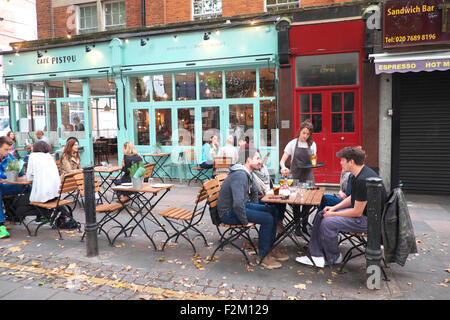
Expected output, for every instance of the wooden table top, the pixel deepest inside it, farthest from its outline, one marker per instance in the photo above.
(146, 187)
(103, 169)
(20, 180)
(155, 154)
(311, 198)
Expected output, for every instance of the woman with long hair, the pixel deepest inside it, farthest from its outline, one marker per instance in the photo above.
(300, 150)
(70, 159)
(11, 135)
(130, 156)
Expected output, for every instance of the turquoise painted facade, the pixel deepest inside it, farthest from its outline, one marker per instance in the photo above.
(248, 51)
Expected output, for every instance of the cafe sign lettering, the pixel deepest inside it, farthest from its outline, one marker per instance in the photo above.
(415, 22)
(56, 59)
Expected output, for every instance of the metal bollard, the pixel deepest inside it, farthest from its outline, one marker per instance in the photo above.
(89, 208)
(374, 254)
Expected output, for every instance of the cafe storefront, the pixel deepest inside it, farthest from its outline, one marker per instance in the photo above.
(169, 89)
(414, 71)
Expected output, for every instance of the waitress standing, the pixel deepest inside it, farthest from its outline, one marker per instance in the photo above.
(300, 150)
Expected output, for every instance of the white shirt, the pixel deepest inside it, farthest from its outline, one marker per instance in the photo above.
(45, 139)
(290, 147)
(42, 170)
(229, 151)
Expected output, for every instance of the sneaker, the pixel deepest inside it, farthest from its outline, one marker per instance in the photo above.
(3, 232)
(337, 261)
(318, 261)
(277, 255)
(269, 263)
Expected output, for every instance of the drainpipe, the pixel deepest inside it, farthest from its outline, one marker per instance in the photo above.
(143, 12)
(282, 26)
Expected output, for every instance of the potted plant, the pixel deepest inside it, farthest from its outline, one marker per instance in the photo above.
(158, 147)
(12, 169)
(137, 172)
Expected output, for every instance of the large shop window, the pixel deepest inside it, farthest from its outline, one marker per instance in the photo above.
(210, 85)
(141, 129)
(267, 82)
(268, 123)
(140, 89)
(72, 117)
(163, 126)
(186, 131)
(162, 87)
(240, 83)
(241, 122)
(327, 70)
(185, 86)
(210, 123)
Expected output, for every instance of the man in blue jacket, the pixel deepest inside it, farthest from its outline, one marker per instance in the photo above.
(6, 189)
(238, 204)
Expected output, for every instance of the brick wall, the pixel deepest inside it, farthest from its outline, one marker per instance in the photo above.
(235, 7)
(155, 12)
(178, 11)
(44, 22)
(310, 3)
(64, 21)
(133, 12)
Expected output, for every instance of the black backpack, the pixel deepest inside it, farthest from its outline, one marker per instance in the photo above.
(65, 220)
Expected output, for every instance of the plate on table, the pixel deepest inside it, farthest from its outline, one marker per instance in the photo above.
(159, 185)
(126, 184)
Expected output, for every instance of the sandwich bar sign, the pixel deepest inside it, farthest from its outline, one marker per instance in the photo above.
(413, 22)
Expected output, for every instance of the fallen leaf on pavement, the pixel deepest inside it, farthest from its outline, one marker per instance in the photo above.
(15, 249)
(25, 242)
(35, 263)
(300, 286)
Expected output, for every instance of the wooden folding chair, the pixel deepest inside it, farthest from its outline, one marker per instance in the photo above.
(110, 210)
(221, 178)
(231, 233)
(184, 220)
(196, 171)
(221, 165)
(51, 210)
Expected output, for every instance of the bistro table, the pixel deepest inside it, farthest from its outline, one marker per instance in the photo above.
(145, 198)
(311, 198)
(20, 180)
(10, 200)
(105, 184)
(159, 159)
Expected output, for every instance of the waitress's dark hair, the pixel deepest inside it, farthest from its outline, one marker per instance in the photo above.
(306, 124)
(41, 146)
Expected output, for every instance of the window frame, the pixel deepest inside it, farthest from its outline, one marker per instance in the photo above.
(78, 14)
(113, 26)
(281, 6)
(203, 16)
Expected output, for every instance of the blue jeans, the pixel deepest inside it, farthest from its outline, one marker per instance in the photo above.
(8, 189)
(262, 215)
(328, 200)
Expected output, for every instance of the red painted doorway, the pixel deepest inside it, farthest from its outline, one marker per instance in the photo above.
(335, 114)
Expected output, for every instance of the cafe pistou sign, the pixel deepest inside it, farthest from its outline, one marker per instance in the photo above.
(414, 22)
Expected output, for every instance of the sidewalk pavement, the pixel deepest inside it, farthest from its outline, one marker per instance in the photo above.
(46, 268)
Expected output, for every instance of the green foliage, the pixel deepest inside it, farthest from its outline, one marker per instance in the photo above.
(12, 165)
(134, 167)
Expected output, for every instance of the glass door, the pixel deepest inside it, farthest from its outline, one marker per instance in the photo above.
(241, 124)
(73, 123)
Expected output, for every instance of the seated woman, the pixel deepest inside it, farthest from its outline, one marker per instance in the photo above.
(70, 159)
(228, 151)
(130, 156)
(42, 170)
(14, 152)
(209, 151)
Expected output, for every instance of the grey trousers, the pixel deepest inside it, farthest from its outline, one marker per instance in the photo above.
(324, 236)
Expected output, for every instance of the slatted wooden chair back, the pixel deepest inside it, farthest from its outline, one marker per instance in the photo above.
(79, 179)
(201, 196)
(149, 170)
(59, 165)
(222, 162)
(68, 184)
(221, 178)
(189, 156)
(212, 188)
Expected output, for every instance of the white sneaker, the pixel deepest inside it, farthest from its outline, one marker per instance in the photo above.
(338, 260)
(318, 261)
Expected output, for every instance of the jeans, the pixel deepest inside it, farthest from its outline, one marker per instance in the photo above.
(328, 200)
(324, 240)
(262, 215)
(8, 189)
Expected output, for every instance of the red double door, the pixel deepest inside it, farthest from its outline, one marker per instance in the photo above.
(335, 114)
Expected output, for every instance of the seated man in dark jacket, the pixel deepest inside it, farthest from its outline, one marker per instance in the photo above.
(234, 206)
(350, 215)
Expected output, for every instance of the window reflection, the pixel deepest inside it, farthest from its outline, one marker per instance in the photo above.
(74, 88)
(55, 89)
(186, 132)
(267, 82)
(240, 83)
(210, 123)
(241, 122)
(210, 85)
(162, 87)
(163, 126)
(102, 87)
(140, 89)
(141, 127)
(185, 86)
(268, 123)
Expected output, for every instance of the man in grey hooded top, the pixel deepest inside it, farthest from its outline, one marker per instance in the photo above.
(238, 204)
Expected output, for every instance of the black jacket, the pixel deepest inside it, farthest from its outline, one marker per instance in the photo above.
(397, 229)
